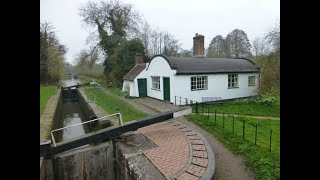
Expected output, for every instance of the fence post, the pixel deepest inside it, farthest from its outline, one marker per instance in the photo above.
(215, 117)
(270, 138)
(175, 100)
(197, 107)
(223, 121)
(243, 127)
(202, 108)
(255, 139)
(232, 124)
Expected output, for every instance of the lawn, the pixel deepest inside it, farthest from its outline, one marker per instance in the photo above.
(110, 104)
(264, 163)
(113, 90)
(244, 108)
(45, 93)
(86, 79)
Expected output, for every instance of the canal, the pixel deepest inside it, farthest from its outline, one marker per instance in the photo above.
(73, 110)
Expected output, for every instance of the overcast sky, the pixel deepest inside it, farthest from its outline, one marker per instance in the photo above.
(183, 18)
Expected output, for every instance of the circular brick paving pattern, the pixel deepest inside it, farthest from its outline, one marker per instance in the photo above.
(181, 153)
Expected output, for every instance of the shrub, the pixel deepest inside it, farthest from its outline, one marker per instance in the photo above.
(256, 100)
(268, 101)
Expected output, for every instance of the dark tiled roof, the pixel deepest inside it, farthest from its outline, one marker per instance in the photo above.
(134, 72)
(204, 65)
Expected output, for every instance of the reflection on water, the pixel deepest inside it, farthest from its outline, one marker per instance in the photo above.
(72, 114)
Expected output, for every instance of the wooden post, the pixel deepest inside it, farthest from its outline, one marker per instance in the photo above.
(255, 139)
(197, 107)
(232, 124)
(215, 117)
(223, 121)
(243, 127)
(270, 139)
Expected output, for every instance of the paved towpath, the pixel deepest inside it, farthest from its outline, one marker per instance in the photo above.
(182, 151)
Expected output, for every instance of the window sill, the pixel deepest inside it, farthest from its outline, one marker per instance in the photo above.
(233, 87)
(156, 89)
(198, 89)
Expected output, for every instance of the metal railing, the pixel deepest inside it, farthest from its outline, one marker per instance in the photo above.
(97, 119)
(181, 101)
(254, 132)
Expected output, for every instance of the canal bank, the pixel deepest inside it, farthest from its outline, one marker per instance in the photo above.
(132, 155)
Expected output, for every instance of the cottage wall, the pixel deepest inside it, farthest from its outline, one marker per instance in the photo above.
(160, 67)
(217, 87)
(180, 85)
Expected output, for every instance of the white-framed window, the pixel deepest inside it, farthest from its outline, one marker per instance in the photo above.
(233, 80)
(199, 83)
(251, 80)
(155, 82)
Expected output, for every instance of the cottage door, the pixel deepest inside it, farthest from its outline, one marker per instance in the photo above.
(166, 89)
(142, 87)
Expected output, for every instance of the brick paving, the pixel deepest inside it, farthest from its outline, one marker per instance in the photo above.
(180, 154)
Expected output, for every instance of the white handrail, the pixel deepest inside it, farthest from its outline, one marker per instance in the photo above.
(116, 114)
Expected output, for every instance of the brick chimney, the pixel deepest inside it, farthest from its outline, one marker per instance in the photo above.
(139, 58)
(198, 45)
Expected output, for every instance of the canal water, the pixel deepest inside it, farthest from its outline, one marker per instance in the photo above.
(72, 114)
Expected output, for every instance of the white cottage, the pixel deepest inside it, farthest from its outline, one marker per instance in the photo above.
(194, 78)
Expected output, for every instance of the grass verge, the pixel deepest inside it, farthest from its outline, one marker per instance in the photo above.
(110, 104)
(45, 93)
(264, 163)
(244, 108)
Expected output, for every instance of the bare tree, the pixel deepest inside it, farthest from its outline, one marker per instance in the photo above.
(51, 54)
(217, 47)
(259, 46)
(238, 44)
(145, 36)
(273, 37)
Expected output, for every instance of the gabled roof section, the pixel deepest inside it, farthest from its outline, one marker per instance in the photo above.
(204, 65)
(134, 72)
